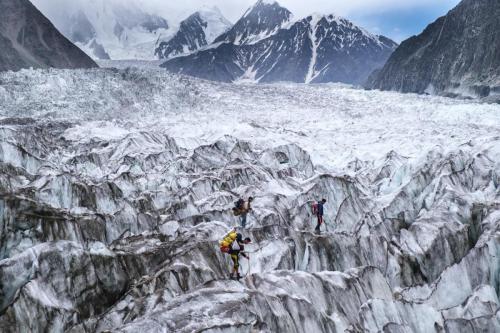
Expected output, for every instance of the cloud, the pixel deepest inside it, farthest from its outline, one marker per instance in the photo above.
(233, 9)
(360, 7)
(383, 14)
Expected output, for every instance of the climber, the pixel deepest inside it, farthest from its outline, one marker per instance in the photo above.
(234, 244)
(318, 210)
(237, 249)
(241, 209)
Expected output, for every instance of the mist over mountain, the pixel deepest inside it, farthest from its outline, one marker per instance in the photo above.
(108, 29)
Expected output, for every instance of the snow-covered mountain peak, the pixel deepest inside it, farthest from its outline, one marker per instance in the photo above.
(259, 21)
(216, 23)
(330, 18)
(314, 18)
(264, 3)
(195, 32)
(262, 9)
(267, 45)
(337, 27)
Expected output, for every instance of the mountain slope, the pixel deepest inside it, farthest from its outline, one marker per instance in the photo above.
(459, 54)
(107, 29)
(264, 46)
(324, 49)
(195, 32)
(28, 39)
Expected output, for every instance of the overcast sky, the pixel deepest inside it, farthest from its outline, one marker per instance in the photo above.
(397, 19)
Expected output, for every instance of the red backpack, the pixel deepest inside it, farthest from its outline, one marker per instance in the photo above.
(314, 208)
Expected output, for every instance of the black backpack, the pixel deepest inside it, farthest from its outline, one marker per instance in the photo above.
(238, 205)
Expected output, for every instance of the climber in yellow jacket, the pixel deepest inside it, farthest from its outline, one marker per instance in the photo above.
(234, 245)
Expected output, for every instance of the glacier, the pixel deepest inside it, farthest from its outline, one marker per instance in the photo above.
(117, 184)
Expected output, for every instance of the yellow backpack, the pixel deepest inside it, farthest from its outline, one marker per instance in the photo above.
(227, 241)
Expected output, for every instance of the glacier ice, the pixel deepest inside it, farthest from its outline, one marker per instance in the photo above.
(116, 185)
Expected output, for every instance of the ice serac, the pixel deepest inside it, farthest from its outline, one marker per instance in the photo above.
(265, 46)
(195, 32)
(114, 225)
(457, 55)
(28, 39)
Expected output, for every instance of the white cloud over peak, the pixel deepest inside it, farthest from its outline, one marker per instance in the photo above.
(233, 9)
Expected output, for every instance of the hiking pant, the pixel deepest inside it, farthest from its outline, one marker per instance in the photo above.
(236, 261)
(320, 222)
(243, 220)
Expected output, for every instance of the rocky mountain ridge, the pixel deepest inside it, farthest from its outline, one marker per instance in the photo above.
(28, 39)
(265, 45)
(456, 56)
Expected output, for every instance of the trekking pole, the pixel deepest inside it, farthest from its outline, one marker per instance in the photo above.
(248, 268)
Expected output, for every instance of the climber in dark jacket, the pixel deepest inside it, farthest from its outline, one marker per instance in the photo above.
(245, 209)
(319, 213)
